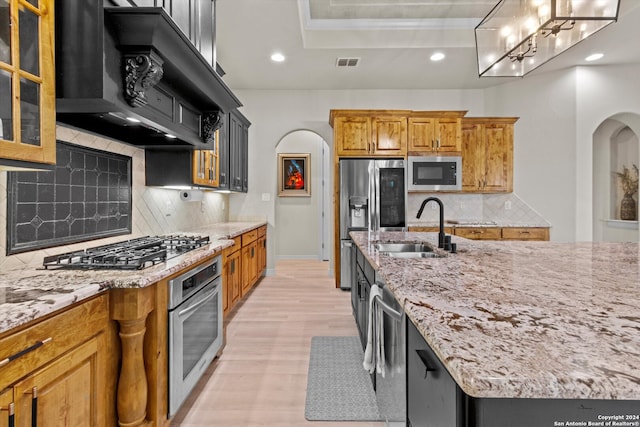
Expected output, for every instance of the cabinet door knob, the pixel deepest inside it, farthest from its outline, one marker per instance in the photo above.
(34, 407)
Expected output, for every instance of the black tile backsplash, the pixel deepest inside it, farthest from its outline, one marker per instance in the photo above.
(88, 196)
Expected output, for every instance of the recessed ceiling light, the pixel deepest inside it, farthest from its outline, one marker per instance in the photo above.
(133, 120)
(594, 57)
(438, 56)
(168, 135)
(277, 57)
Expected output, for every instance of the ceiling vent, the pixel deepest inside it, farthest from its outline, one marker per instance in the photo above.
(347, 62)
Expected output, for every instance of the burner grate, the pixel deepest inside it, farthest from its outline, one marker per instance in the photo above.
(134, 254)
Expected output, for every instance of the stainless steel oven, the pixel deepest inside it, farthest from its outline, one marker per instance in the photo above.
(195, 328)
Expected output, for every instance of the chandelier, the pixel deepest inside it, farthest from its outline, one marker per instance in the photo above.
(518, 36)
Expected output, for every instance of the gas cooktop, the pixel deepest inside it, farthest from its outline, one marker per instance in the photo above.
(134, 254)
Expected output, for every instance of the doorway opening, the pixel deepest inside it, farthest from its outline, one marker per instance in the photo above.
(303, 224)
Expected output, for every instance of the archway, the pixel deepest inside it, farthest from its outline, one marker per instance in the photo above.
(303, 224)
(615, 146)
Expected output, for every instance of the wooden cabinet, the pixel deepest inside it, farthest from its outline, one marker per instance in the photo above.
(232, 276)
(487, 155)
(249, 266)
(262, 250)
(447, 230)
(249, 260)
(27, 84)
(72, 373)
(378, 133)
(525, 233)
(435, 131)
(206, 169)
(492, 233)
(244, 263)
(479, 233)
(389, 136)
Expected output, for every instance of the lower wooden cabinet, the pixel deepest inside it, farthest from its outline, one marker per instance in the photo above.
(232, 276)
(69, 380)
(249, 266)
(479, 233)
(245, 262)
(492, 233)
(525, 233)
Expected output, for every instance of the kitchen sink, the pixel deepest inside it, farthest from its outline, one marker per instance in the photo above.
(407, 250)
(403, 247)
(413, 255)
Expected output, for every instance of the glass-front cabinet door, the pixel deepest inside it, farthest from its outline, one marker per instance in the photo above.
(27, 85)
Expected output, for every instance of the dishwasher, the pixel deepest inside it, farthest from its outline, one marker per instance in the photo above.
(391, 392)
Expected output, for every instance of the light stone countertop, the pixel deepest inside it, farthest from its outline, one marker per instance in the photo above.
(524, 319)
(27, 294)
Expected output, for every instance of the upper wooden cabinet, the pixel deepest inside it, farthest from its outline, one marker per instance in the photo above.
(369, 133)
(394, 133)
(487, 154)
(435, 131)
(27, 84)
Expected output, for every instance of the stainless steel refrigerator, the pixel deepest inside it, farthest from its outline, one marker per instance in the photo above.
(372, 197)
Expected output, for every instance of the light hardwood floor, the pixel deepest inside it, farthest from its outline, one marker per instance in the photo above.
(261, 377)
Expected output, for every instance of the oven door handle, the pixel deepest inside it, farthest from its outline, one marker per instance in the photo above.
(199, 304)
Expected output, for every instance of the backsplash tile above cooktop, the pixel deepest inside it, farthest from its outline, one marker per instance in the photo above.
(87, 196)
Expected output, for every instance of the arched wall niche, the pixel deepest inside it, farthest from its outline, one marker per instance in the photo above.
(615, 144)
(301, 230)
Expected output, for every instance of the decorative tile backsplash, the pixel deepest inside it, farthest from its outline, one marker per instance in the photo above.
(156, 211)
(502, 208)
(88, 196)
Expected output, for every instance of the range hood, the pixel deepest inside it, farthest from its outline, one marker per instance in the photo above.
(130, 73)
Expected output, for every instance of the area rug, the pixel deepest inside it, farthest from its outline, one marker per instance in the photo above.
(338, 387)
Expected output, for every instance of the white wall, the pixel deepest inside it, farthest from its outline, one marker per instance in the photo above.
(544, 144)
(559, 113)
(273, 114)
(156, 211)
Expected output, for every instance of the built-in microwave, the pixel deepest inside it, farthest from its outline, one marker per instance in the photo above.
(434, 173)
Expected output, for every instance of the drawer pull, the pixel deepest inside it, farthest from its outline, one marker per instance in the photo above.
(423, 356)
(23, 352)
(11, 409)
(524, 232)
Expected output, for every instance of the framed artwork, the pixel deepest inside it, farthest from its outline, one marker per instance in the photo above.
(294, 175)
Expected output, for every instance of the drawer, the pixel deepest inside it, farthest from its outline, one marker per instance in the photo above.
(262, 231)
(249, 237)
(60, 332)
(525, 233)
(237, 244)
(447, 230)
(479, 233)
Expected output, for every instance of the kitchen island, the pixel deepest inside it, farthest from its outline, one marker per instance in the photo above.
(526, 324)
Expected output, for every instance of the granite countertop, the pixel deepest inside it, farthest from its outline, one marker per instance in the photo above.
(524, 319)
(28, 293)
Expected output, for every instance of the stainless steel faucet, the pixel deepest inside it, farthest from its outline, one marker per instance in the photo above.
(441, 232)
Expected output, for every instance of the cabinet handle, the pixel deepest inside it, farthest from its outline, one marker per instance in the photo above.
(23, 352)
(11, 409)
(422, 354)
(524, 232)
(252, 249)
(233, 266)
(438, 142)
(34, 407)
(432, 145)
